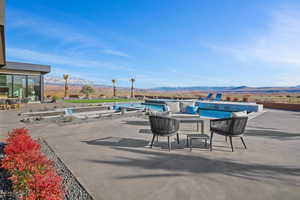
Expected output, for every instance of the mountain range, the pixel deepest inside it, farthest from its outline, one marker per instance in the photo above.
(74, 81)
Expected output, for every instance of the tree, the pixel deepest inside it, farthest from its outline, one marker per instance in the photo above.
(66, 77)
(87, 90)
(114, 87)
(132, 80)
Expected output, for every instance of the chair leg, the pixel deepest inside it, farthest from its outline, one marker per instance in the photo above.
(187, 141)
(169, 144)
(191, 140)
(230, 138)
(226, 138)
(152, 141)
(177, 138)
(211, 137)
(157, 139)
(243, 142)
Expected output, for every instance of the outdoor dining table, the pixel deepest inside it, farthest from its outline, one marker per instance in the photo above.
(191, 136)
(192, 120)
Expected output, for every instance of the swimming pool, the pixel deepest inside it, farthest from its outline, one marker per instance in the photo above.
(142, 106)
(161, 108)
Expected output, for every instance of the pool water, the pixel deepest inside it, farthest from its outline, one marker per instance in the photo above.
(215, 113)
(161, 108)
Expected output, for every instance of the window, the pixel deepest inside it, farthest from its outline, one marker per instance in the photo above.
(19, 86)
(26, 87)
(5, 86)
(34, 88)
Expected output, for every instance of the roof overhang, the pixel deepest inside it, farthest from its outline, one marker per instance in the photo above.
(43, 69)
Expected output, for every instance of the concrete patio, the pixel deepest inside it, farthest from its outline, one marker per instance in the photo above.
(111, 160)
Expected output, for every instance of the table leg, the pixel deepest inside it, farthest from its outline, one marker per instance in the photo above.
(197, 126)
(202, 127)
(187, 141)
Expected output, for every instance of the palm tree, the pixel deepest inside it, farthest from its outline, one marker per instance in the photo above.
(114, 87)
(66, 77)
(132, 80)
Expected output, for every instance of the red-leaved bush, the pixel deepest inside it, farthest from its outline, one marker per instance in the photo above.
(32, 174)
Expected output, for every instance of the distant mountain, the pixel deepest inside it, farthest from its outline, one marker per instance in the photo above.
(75, 81)
(238, 89)
(199, 88)
(55, 80)
(193, 88)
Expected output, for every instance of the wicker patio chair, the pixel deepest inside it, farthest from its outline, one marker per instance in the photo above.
(229, 127)
(165, 127)
(3, 104)
(13, 103)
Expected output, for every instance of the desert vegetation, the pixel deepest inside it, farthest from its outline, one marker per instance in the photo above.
(33, 175)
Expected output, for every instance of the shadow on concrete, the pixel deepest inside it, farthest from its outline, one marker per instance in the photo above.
(137, 123)
(280, 135)
(187, 165)
(118, 142)
(132, 142)
(260, 127)
(145, 131)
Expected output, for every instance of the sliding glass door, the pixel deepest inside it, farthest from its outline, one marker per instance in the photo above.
(19, 86)
(25, 87)
(34, 88)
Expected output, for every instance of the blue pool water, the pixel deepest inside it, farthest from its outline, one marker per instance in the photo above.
(215, 113)
(161, 108)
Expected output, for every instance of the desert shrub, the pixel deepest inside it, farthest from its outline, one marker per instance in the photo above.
(87, 90)
(54, 98)
(32, 174)
(236, 99)
(74, 96)
(245, 99)
(228, 98)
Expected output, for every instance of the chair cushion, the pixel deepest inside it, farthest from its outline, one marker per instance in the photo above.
(239, 114)
(191, 109)
(184, 104)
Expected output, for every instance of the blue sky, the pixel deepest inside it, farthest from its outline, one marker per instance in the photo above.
(160, 42)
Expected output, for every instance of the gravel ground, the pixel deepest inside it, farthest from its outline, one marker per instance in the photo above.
(73, 189)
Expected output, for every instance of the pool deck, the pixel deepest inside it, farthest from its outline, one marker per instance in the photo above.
(111, 159)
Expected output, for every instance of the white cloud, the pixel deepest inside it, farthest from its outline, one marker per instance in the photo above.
(115, 53)
(54, 59)
(65, 34)
(279, 44)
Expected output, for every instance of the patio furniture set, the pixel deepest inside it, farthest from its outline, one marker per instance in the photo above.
(164, 126)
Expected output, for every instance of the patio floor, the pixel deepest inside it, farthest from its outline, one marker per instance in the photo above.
(111, 160)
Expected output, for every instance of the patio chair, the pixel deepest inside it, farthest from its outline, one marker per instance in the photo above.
(208, 97)
(229, 127)
(13, 103)
(218, 97)
(165, 127)
(3, 104)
